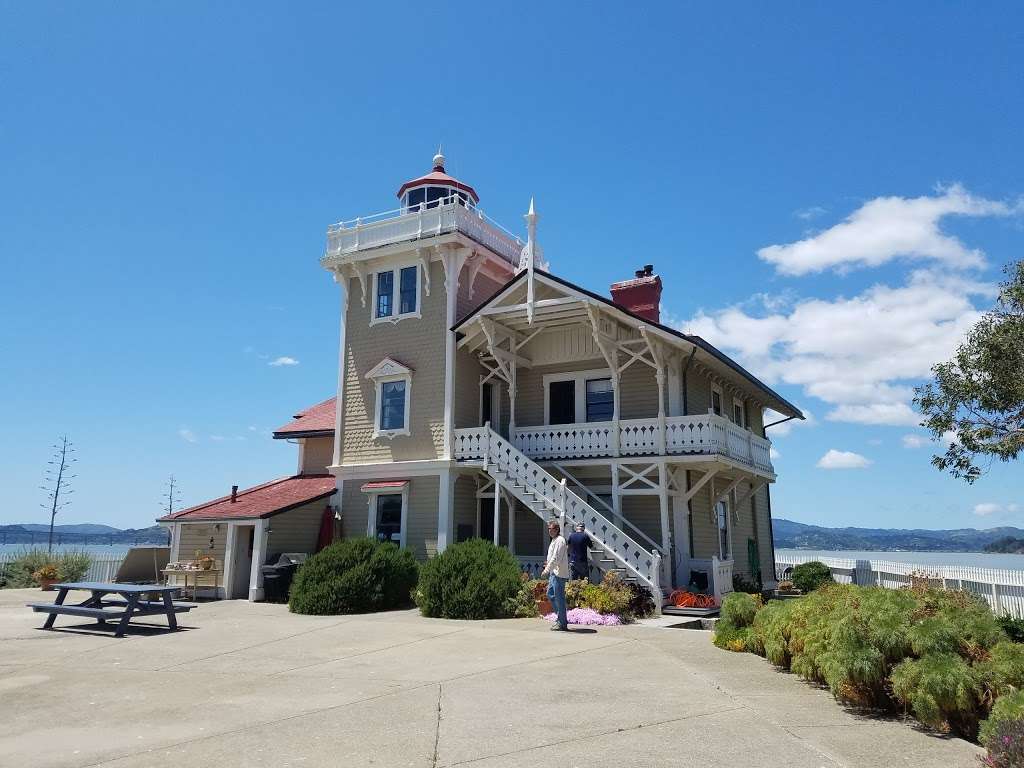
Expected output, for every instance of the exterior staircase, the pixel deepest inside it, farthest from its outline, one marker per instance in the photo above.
(538, 490)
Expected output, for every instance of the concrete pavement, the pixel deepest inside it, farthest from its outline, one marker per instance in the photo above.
(252, 685)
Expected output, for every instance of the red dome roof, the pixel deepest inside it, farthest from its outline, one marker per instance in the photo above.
(438, 178)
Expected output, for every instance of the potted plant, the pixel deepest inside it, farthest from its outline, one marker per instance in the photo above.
(205, 562)
(46, 576)
(540, 596)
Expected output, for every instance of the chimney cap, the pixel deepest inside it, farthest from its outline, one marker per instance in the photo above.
(234, 493)
(648, 269)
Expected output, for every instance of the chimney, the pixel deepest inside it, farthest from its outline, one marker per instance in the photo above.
(234, 493)
(641, 294)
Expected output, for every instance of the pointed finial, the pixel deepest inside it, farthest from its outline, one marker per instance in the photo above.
(439, 160)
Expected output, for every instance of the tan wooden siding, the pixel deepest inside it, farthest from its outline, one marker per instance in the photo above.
(755, 414)
(742, 521)
(764, 538)
(465, 505)
(354, 510)
(483, 288)
(530, 534)
(705, 531)
(317, 455)
(698, 393)
(196, 536)
(297, 529)
(467, 390)
(530, 389)
(418, 344)
(645, 513)
(421, 536)
(638, 393)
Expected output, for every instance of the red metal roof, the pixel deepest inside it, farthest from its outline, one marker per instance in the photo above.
(440, 178)
(262, 500)
(317, 419)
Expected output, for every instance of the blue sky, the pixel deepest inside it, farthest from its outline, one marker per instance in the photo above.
(167, 176)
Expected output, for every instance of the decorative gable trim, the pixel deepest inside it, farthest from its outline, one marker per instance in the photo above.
(388, 367)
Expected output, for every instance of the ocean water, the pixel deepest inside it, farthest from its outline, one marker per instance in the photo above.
(974, 559)
(99, 550)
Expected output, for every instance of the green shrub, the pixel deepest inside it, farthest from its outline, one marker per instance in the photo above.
(941, 689)
(1014, 628)
(1007, 708)
(641, 602)
(470, 580)
(807, 577)
(1005, 745)
(70, 565)
(1002, 673)
(523, 605)
(739, 609)
(354, 576)
(741, 583)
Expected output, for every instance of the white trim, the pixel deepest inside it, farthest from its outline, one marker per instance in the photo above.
(396, 292)
(371, 517)
(495, 415)
(580, 377)
(259, 554)
(711, 400)
(391, 469)
(736, 401)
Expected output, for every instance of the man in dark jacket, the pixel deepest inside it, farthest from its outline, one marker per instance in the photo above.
(579, 544)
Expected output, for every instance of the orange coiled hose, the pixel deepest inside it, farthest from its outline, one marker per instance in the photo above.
(683, 599)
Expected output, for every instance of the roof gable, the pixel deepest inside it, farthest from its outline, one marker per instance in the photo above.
(388, 367)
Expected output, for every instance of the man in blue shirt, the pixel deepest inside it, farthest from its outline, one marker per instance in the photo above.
(579, 544)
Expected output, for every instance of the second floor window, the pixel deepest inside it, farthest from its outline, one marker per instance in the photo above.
(600, 400)
(385, 293)
(716, 402)
(392, 406)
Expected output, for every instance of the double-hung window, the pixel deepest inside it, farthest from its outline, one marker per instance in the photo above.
(393, 389)
(724, 543)
(716, 400)
(600, 400)
(396, 294)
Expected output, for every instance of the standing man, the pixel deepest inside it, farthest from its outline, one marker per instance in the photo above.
(557, 570)
(579, 544)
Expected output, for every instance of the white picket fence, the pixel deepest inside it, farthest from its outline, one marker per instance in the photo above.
(1003, 590)
(102, 568)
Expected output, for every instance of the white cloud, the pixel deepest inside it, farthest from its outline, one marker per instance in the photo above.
(834, 459)
(811, 212)
(862, 354)
(187, 435)
(284, 360)
(773, 453)
(914, 440)
(888, 228)
(990, 508)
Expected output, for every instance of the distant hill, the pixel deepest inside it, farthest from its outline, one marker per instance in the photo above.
(1007, 545)
(83, 533)
(792, 535)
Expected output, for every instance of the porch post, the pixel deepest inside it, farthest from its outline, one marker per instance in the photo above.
(615, 410)
(228, 577)
(510, 504)
(659, 375)
(666, 536)
(512, 402)
(453, 260)
(445, 496)
(259, 555)
(497, 513)
(616, 495)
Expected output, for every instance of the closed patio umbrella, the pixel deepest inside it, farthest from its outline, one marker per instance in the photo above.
(326, 535)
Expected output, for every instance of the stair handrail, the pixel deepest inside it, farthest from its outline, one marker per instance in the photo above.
(563, 499)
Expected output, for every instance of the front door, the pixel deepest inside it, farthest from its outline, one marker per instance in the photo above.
(562, 402)
(241, 567)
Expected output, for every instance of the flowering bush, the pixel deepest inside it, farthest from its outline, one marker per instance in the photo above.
(1005, 745)
(589, 616)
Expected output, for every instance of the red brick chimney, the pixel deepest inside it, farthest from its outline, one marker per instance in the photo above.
(641, 295)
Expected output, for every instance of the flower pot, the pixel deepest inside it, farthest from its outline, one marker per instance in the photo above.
(544, 606)
(47, 584)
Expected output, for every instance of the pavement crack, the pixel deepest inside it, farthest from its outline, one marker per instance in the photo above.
(437, 731)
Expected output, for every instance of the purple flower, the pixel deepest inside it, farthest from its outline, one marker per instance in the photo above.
(589, 616)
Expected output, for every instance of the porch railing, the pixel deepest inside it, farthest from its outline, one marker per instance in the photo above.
(403, 224)
(701, 434)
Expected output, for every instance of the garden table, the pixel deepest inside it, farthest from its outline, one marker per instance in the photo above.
(129, 602)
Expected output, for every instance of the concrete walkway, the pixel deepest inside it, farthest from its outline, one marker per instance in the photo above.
(252, 685)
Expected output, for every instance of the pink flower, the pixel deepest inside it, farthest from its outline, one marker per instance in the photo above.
(582, 616)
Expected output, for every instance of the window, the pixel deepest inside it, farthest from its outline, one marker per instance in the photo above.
(385, 291)
(407, 291)
(716, 400)
(387, 307)
(415, 197)
(724, 548)
(392, 406)
(737, 412)
(393, 385)
(600, 400)
(389, 518)
(578, 396)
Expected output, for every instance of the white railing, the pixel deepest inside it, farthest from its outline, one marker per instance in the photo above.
(102, 567)
(719, 575)
(566, 440)
(705, 433)
(1002, 589)
(403, 224)
(532, 566)
(522, 474)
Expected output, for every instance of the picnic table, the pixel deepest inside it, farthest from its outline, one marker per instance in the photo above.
(110, 601)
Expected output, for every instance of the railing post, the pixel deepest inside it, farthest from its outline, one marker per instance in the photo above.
(487, 443)
(656, 582)
(561, 504)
